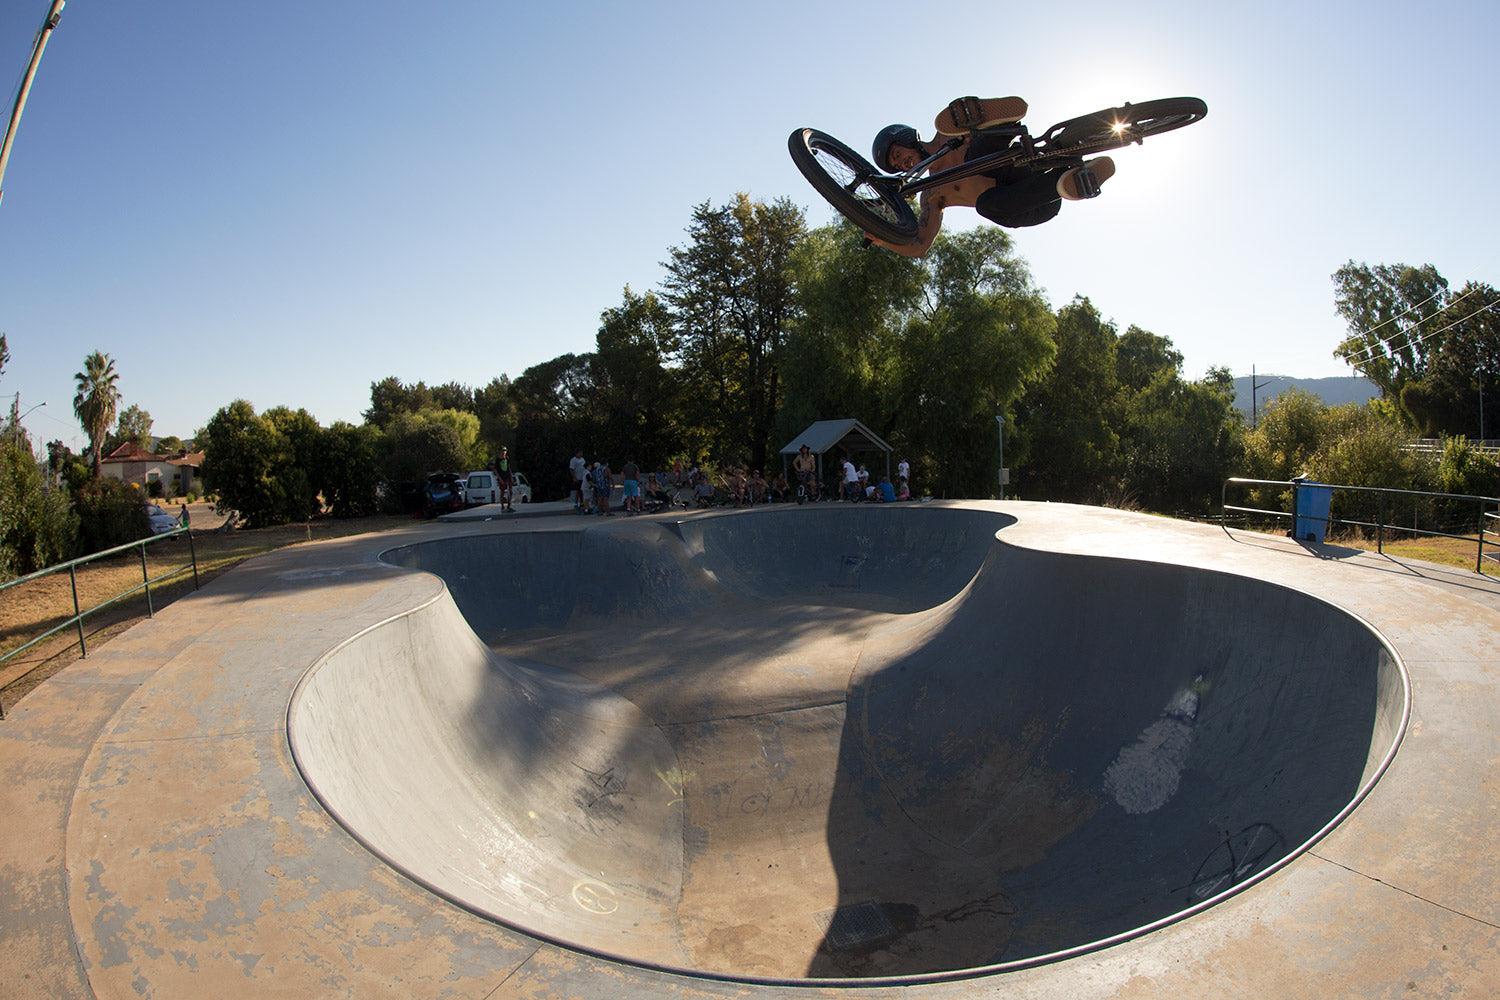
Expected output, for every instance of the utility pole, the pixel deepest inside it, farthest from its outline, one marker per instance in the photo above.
(54, 14)
(1255, 387)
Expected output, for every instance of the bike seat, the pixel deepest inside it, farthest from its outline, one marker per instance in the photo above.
(965, 114)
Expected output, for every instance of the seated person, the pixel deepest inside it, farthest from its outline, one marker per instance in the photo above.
(886, 490)
(757, 487)
(779, 488)
(1011, 196)
(703, 490)
(654, 491)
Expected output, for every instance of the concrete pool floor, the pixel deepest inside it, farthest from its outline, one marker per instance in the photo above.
(159, 840)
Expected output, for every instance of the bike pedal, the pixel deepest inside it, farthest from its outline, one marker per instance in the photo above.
(1087, 182)
(966, 112)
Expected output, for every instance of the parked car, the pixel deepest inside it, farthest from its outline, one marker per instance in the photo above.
(481, 487)
(158, 520)
(484, 487)
(442, 493)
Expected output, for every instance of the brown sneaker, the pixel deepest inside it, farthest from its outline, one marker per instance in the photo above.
(1083, 182)
(970, 113)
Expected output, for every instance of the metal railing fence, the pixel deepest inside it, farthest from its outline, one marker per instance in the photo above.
(79, 613)
(1461, 507)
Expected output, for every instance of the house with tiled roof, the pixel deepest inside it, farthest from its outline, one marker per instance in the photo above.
(131, 463)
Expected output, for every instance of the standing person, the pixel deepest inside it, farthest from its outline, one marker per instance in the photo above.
(586, 491)
(851, 480)
(578, 469)
(504, 475)
(903, 477)
(603, 486)
(805, 465)
(630, 475)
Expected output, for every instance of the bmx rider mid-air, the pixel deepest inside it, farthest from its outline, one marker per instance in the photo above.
(1011, 195)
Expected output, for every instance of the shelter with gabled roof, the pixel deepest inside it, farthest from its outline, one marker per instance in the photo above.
(826, 435)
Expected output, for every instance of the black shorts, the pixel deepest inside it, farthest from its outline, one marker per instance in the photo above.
(1021, 196)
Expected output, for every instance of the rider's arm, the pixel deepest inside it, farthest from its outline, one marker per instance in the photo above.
(930, 219)
(929, 222)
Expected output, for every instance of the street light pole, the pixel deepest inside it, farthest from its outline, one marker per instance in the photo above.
(1000, 428)
(54, 14)
(16, 422)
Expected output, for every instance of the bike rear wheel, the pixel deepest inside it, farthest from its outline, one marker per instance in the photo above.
(851, 184)
(1113, 128)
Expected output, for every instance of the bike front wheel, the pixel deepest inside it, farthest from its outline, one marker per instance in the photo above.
(851, 184)
(1113, 128)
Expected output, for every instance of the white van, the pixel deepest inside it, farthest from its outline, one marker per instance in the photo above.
(483, 488)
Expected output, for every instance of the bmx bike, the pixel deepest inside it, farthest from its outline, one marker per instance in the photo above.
(877, 201)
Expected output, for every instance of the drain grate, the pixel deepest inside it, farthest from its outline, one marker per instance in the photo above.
(854, 924)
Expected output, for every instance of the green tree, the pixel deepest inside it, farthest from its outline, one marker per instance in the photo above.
(1388, 308)
(1289, 433)
(1464, 362)
(245, 461)
(300, 480)
(636, 394)
(1070, 419)
(109, 514)
(731, 295)
(95, 402)
(1180, 440)
(349, 467)
(553, 419)
(1359, 448)
(495, 405)
(390, 398)
(979, 338)
(1465, 469)
(134, 425)
(37, 525)
(429, 441)
(452, 396)
(1143, 358)
(842, 355)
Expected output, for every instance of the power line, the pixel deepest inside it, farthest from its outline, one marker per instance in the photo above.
(1426, 337)
(1379, 347)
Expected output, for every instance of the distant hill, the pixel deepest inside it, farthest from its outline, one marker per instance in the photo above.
(1332, 391)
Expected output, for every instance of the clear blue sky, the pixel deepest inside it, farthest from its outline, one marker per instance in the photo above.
(287, 201)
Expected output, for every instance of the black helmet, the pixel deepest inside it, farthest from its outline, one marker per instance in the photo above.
(893, 135)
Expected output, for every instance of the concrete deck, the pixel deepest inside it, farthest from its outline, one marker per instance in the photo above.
(159, 839)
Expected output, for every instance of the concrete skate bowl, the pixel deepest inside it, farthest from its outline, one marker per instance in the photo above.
(840, 743)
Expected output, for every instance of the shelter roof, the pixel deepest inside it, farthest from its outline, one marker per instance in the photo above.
(825, 435)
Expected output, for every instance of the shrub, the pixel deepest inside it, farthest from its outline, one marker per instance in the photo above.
(109, 514)
(37, 527)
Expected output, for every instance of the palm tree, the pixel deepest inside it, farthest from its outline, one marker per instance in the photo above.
(96, 400)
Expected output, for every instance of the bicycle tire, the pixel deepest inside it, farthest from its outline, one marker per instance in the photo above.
(1114, 128)
(851, 184)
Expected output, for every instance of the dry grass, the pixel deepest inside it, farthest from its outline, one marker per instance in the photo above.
(1444, 551)
(30, 609)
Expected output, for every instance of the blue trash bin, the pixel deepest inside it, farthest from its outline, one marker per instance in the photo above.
(1313, 503)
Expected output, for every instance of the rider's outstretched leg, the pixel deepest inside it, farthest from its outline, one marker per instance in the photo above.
(1083, 182)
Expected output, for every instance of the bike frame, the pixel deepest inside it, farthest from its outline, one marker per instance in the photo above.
(1025, 152)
